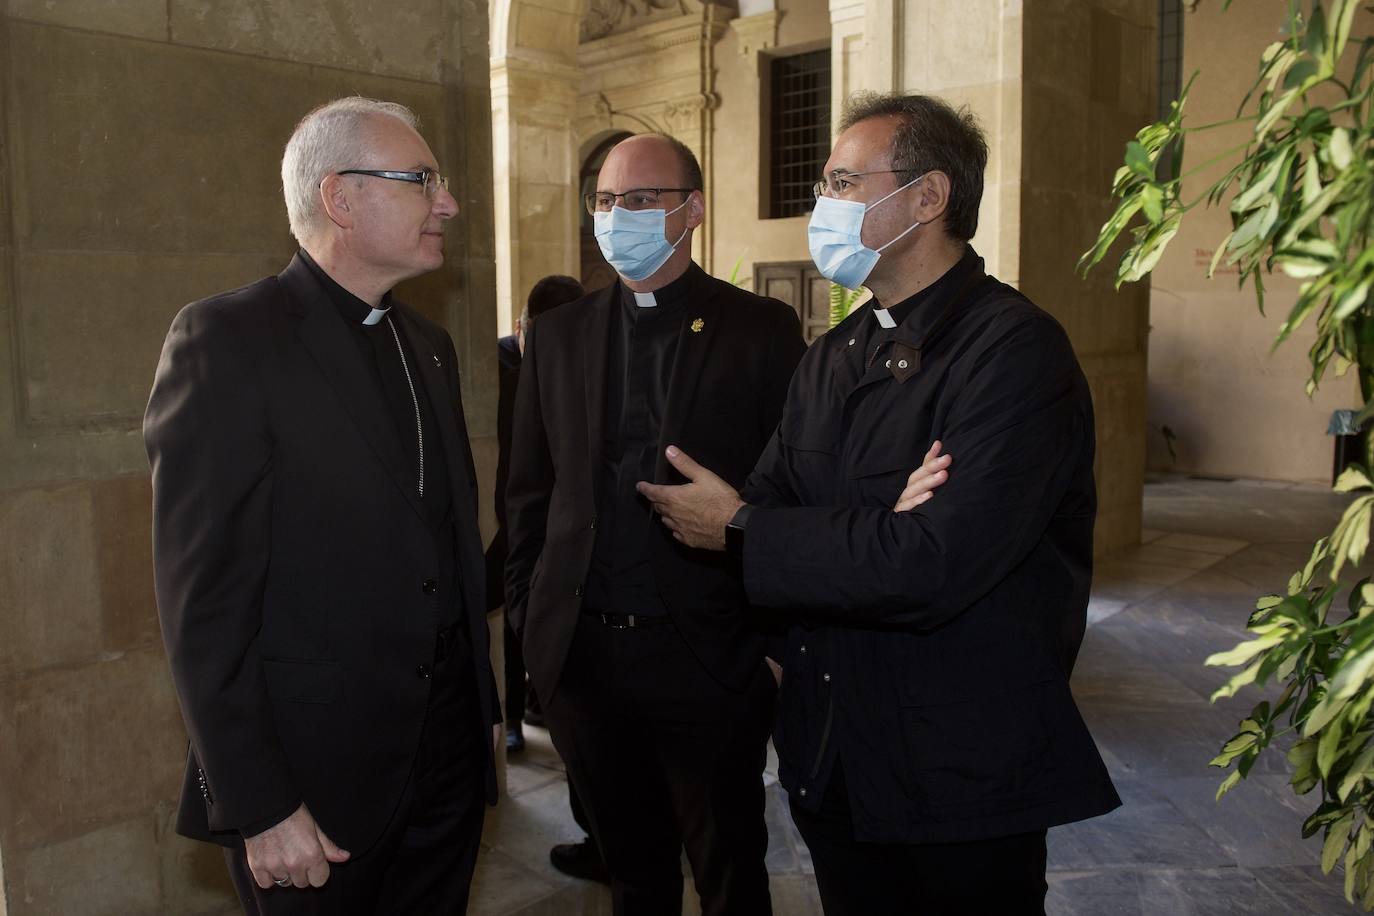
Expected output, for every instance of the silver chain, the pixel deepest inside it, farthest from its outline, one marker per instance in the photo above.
(419, 429)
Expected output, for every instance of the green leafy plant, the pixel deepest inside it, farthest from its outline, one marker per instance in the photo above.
(735, 279)
(1302, 202)
(842, 302)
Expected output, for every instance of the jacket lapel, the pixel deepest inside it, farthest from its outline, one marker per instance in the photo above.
(595, 346)
(432, 374)
(701, 320)
(325, 336)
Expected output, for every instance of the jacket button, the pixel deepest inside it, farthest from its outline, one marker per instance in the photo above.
(803, 650)
(826, 678)
(593, 524)
(802, 792)
(429, 586)
(577, 592)
(422, 672)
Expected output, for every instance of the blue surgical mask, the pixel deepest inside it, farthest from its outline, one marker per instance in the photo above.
(635, 242)
(835, 237)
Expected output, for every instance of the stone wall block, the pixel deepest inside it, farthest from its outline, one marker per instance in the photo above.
(372, 36)
(135, 18)
(194, 878)
(123, 519)
(963, 45)
(90, 329)
(48, 585)
(86, 746)
(1059, 30)
(211, 182)
(1052, 152)
(111, 871)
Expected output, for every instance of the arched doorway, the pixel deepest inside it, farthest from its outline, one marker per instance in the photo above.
(595, 272)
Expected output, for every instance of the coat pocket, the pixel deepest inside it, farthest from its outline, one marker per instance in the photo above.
(980, 754)
(301, 681)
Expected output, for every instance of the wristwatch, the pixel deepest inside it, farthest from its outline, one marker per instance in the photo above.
(734, 532)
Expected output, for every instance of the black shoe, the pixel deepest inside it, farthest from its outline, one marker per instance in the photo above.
(581, 860)
(534, 718)
(515, 739)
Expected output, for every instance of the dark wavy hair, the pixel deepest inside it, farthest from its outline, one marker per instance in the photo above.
(932, 136)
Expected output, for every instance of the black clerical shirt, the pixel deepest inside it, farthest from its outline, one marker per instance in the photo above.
(643, 344)
(378, 346)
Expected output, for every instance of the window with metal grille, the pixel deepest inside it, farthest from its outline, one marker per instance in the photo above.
(1170, 65)
(799, 130)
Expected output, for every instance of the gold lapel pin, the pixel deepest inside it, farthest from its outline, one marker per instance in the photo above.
(697, 325)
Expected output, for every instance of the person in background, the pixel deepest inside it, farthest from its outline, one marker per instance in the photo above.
(546, 295)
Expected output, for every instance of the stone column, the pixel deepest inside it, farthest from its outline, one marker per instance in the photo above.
(534, 83)
(140, 148)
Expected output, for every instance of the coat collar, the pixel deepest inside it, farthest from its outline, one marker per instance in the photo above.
(700, 321)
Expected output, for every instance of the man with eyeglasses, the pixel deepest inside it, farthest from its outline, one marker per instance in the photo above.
(318, 565)
(926, 733)
(651, 675)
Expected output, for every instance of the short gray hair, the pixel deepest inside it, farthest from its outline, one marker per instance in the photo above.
(332, 137)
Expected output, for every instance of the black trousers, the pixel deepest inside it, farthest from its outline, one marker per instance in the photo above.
(424, 861)
(1005, 876)
(661, 757)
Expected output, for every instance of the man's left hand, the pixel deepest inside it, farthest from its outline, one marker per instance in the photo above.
(695, 512)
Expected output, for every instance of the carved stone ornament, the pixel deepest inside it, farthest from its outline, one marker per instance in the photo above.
(606, 16)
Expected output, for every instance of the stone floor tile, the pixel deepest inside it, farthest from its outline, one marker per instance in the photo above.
(1253, 823)
(1124, 579)
(503, 885)
(1306, 890)
(1200, 543)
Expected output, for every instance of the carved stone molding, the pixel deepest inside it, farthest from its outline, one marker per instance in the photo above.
(757, 33)
(604, 17)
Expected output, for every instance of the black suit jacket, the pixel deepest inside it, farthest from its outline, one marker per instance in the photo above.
(735, 358)
(508, 376)
(292, 556)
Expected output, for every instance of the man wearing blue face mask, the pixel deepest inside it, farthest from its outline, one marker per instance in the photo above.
(651, 674)
(926, 733)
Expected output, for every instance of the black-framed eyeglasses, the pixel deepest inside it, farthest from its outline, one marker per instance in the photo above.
(634, 199)
(428, 179)
(836, 183)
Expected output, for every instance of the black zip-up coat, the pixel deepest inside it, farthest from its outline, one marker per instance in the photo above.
(931, 650)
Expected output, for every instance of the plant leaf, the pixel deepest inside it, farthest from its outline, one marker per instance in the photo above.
(1336, 837)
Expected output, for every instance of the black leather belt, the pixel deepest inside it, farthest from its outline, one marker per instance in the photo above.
(629, 621)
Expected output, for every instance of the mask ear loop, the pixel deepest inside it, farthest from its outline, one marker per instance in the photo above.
(685, 229)
(897, 191)
(885, 197)
(898, 238)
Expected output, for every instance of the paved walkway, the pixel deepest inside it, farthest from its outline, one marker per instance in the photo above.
(1210, 548)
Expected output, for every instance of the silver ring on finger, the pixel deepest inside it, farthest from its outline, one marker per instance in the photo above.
(281, 882)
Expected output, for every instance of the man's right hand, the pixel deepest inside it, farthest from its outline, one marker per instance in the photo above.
(296, 849)
(920, 486)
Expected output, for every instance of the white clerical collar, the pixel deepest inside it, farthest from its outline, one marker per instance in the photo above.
(884, 317)
(645, 300)
(375, 316)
